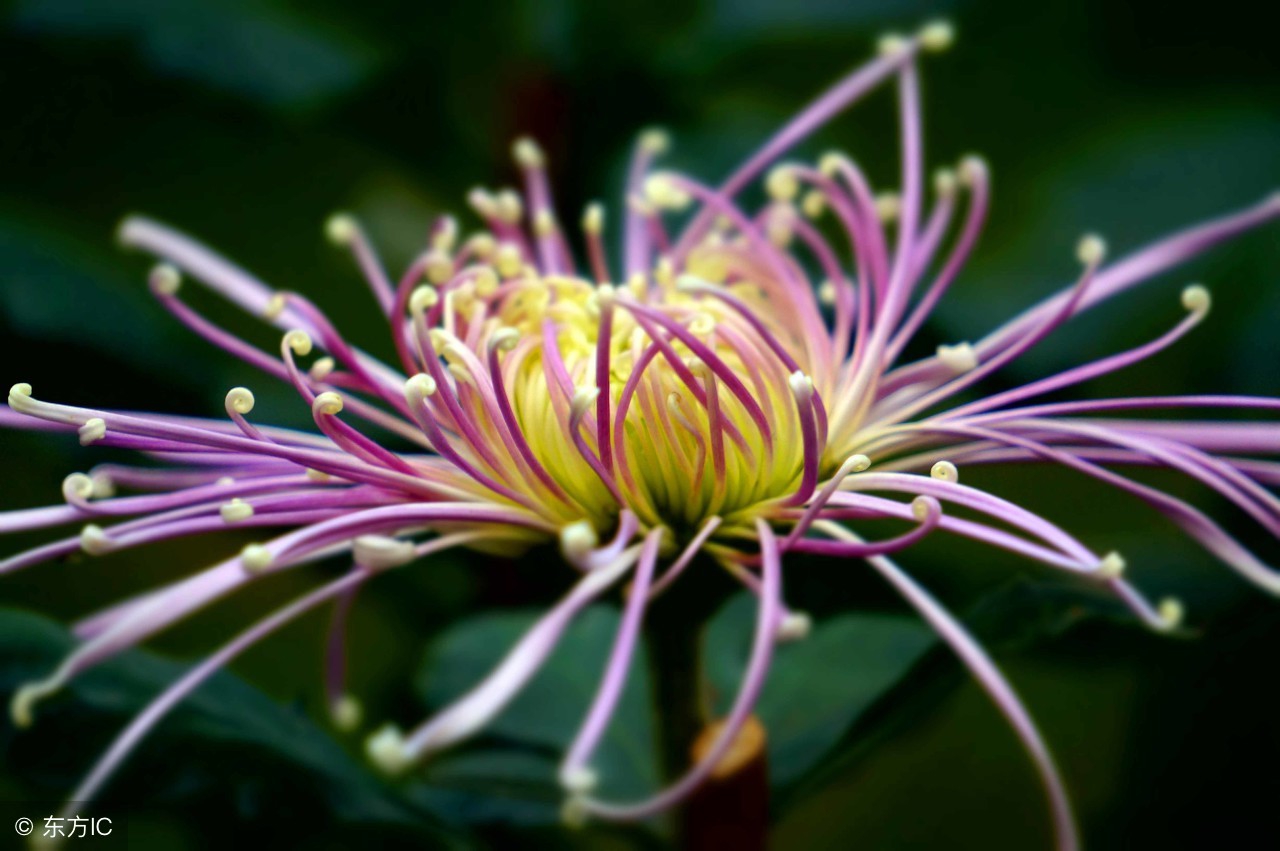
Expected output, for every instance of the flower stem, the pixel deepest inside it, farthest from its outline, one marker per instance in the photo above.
(731, 809)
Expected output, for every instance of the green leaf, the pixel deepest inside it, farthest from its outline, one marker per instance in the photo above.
(225, 710)
(817, 687)
(262, 51)
(487, 786)
(548, 712)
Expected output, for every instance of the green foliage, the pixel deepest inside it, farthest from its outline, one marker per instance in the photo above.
(551, 708)
(818, 687)
(223, 727)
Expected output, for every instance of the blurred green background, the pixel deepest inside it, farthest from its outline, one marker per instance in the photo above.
(247, 122)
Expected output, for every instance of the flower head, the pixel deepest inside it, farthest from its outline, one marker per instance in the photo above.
(731, 384)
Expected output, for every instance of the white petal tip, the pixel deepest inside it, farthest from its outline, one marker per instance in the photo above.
(386, 750)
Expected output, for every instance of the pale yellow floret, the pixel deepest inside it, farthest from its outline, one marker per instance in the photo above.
(255, 558)
(782, 184)
(482, 201)
(510, 207)
(165, 279)
(22, 705)
(19, 396)
(483, 245)
(945, 471)
(961, 357)
(583, 398)
(814, 203)
(77, 486)
(544, 224)
(95, 541)
(972, 170)
(858, 463)
(379, 552)
(606, 294)
(240, 400)
(892, 44)
(945, 182)
(593, 218)
(423, 298)
(437, 266)
(937, 36)
(796, 626)
(93, 430)
(274, 307)
(661, 190)
(298, 341)
(920, 508)
(1196, 298)
(527, 153)
(578, 779)
(322, 368)
(504, 339)
(1172, 612)
(446, 237)
(386, 750)
(636, 284)
(655, 141)
(577, 540)
(341, 228)
(103, 486)
(830, 163)
(485, 281)
(1112, 566)
(346, 712)
(801, 385)
(327, 403)
(827, 293)
(702, 324)
(1092, 250)
(236, 510)
(418, 387)
(508, 261)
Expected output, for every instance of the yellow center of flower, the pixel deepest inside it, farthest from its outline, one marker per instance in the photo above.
(697, 416)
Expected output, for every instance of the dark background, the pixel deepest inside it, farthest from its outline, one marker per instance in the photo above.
(246, 123)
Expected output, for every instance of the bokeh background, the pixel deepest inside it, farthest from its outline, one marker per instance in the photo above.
(246, 122)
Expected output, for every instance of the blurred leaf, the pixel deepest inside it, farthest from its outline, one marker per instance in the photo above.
(1135, 179)
(817, 687)
(549, 711)
(746, 19)
(1024, 611)
(224, 709)
(262, 51)
(489, 786)
(58, 287)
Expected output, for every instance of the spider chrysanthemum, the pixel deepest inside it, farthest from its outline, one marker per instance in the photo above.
(729, 385)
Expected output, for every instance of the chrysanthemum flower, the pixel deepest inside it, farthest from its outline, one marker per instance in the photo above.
(730, 386)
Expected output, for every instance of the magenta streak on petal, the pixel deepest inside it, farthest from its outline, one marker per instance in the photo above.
(1139, 266)
(997, 687)
(171, 696)
(767, 622)
(619, 663)
(468, 713)
(813, 116)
